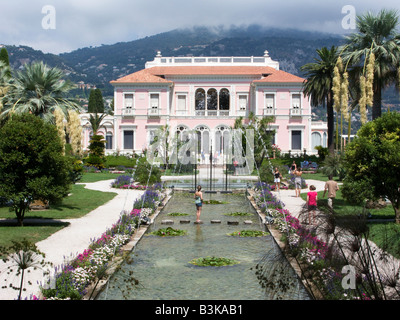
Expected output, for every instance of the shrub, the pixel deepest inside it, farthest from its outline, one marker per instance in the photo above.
(145, 173)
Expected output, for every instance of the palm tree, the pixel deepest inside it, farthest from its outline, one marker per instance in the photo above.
(95, 121)
(5, 78)
(377, 35)
(318, 85)
(39, 90)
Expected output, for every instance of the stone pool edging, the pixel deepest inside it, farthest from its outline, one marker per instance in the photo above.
(277, 235)
(93, 290)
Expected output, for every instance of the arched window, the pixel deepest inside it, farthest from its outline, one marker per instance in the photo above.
(200, 99)
(182, 133)
(224, 99)
(212, 99)
(203, 135)
(315, 140)
(222, 139)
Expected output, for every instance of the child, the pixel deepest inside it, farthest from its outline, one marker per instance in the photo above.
(277, 179)
(199, 203)
(312, 198)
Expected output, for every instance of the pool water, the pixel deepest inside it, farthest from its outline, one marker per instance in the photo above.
(159, 268)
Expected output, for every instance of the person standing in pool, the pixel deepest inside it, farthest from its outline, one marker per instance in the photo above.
(198, 196)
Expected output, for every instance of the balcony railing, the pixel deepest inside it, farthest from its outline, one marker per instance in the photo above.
(269, 111)
(129, 112)
(212, 113)
(295, 112)
(153, 112)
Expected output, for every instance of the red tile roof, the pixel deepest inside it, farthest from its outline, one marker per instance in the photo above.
(158, 74)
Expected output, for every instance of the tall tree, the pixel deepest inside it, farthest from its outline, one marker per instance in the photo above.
(39, 90)
(376, 34)
(96, 102)
(318, 85)
(372, 162)
(32, 164)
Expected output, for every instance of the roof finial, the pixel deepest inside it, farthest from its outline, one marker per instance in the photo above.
(266, 53)
(158, 54)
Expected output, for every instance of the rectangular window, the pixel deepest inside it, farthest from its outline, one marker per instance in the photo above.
(109, 139)
(272, 134)
(296, 101)
(128, 100)
(128, 140)
(154, 101)
(269, 101)
(243, 102)
(181, 103)
(296, 140)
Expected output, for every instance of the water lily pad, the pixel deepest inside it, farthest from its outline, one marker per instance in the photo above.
(169, 232)
(213, 262)
(214, 202)
(248, 233)
(238, 214)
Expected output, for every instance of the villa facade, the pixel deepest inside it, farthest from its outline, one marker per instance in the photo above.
(207, 94)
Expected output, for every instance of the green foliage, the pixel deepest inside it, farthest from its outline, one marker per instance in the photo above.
(96, 152)
(262, 137)
(120, 161)
(318, 86)
(372, 161)
(248, 233)
(32, 164)
(214, 202)
(177, 214)
(333, 165)
(76, 172)
(322, 152)
(238, 214)
(145, 173)
(4, 56)
(96, 102)
(213, 262)
(39, 90)
(377, 34)
(169, 232)
(65, 287)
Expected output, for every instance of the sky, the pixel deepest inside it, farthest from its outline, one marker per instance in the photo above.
(57, 26)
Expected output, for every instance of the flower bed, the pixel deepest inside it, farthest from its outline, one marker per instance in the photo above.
(72, 279)
(319, 263)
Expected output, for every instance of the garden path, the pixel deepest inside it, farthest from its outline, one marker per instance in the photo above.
(74, 238)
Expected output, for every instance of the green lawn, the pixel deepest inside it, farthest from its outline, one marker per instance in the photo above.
(384, 234)
(314, 176)
(88, 177)
(79, 203)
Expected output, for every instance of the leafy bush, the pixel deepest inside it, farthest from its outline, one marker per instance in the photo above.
(118, 161)
(145, 173)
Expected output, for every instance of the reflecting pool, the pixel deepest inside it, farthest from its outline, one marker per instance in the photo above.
(159, 268)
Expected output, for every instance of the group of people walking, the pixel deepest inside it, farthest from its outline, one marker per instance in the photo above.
(330, 187)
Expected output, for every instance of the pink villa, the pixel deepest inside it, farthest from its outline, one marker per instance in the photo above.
(207, 94)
